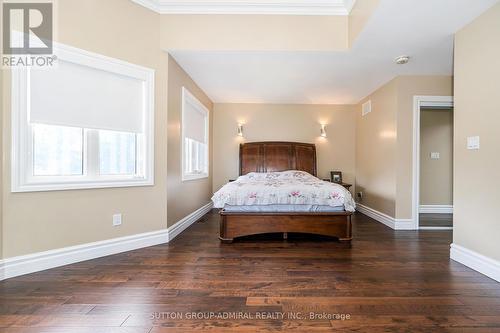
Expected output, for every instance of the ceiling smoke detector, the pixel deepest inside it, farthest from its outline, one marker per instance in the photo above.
(402, 60)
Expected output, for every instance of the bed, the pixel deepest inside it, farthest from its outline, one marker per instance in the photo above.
(278, 192)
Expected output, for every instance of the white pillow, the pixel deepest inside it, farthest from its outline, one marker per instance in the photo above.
(281, 175)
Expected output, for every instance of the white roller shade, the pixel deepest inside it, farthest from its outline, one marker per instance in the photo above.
(194, 119)
(77, 95)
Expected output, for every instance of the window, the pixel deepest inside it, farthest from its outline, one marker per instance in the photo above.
(194, 137)
(57, 150)
(85, 123)
(117, 153)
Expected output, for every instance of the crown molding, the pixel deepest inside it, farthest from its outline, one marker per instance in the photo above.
(249, 7)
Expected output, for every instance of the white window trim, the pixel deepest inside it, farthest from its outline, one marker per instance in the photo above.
(21, 130)
(188, 96)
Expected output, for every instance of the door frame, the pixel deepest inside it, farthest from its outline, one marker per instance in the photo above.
(418, 103)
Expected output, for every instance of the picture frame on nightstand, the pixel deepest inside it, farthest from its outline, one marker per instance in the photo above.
(336, 177)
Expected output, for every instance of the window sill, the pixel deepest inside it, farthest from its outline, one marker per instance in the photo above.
(34, 187)
(186, 178)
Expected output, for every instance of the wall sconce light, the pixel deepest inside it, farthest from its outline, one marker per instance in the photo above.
(240, 130)
(323, 131)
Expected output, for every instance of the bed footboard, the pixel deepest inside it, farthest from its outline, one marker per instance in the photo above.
(235, 224)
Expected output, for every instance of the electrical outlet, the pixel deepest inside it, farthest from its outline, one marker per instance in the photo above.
(117, 219)
(360, 195)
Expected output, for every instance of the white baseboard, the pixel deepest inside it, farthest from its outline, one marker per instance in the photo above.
(435, 209)
(35, 262)
(40, 261)
(484, 265)
(435, 228)
(183, 224)
(391, 222)
(405, 224)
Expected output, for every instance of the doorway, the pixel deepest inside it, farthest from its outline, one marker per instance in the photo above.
(433, 162)
(436, 167)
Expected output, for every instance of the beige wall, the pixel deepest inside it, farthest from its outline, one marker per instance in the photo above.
(265, 32)
(254, 32)
(477, 112)
(384, 141)
(376, 139)
(408, 87)
(436, 175)
(274, 122)
(41, 221)
(183, 197)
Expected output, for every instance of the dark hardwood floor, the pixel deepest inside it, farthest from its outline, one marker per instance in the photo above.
(436, 220)
(389, 281)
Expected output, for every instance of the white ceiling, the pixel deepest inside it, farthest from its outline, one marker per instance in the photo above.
(282, 7)
(422, 29)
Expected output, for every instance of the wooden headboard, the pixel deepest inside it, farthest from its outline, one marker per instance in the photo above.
(277, 156)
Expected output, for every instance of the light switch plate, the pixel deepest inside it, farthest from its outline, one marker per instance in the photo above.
(435, 156)
(473, 142)
(117, 219)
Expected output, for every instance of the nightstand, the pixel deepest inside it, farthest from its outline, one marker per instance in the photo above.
(346, 185)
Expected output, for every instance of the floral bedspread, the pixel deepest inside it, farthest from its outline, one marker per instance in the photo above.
(283, 188)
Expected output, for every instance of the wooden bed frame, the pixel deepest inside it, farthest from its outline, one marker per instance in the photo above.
(282, 156)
